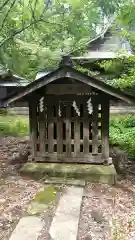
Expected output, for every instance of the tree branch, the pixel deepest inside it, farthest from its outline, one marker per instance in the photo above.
(4, 4)
(36, 1)
(48, 5)
(18, 32)
(4, 20)
(33, 21)
(23, 29)
(33, 9)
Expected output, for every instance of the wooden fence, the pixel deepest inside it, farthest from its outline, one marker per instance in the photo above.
(113, 110)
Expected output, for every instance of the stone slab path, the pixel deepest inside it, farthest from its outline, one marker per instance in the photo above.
(28, 228)
(64, 225)
(65, 222)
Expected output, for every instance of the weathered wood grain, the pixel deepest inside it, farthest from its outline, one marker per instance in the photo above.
(95, 129)
(105, 130)
(33, 126)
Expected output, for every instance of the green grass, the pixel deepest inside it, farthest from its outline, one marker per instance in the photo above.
(14, 125)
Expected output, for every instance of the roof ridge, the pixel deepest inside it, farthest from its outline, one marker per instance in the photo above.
(99, 35)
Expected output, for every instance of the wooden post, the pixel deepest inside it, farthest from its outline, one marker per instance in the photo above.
(33, 126)
(68, 130)
(77, 136)
(95, 129)
(59, 132)
(50, 129)
(86, 130)
(105, 130)
(42, 132)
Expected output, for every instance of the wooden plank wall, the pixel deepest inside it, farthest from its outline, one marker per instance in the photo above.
(105, 129)
(33, 127)
(69, 136)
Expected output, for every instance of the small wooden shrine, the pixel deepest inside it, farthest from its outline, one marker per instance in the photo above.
(69, 117)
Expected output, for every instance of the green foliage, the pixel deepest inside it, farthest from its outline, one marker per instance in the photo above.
(123, 70)
(86, 71)
(127, 14)
(3, 111)
(113, 66)
(128, 121)
(34, 34)
(13, 126)
(122, 132)
(120, 72)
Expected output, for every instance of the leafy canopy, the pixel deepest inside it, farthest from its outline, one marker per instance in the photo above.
(34, 34)
(123, 70)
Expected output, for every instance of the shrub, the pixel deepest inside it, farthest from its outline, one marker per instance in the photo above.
(129, 121)
(14, 126)
(122, 133)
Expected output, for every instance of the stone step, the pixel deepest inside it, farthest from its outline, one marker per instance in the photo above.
(65, 181)
(28, 228)
(65, 222)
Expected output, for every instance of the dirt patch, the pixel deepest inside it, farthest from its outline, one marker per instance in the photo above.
(120, 159)
(15, 194)
(15, 191)
(13, 150)
(108, 212)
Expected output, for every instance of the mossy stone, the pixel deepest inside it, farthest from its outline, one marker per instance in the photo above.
(88, 172)
(41, 200)
(36, 208)
(46, 196)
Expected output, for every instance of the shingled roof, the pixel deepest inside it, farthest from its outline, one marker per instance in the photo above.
(66, 72)
(8, 79)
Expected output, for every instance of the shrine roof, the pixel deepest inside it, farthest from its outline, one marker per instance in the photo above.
(68, 72)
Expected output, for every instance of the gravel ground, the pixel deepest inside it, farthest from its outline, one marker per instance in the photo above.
(16, 192)
(107, 212)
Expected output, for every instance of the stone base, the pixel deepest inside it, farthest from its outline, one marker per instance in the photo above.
(65, 181)
(87, 172)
